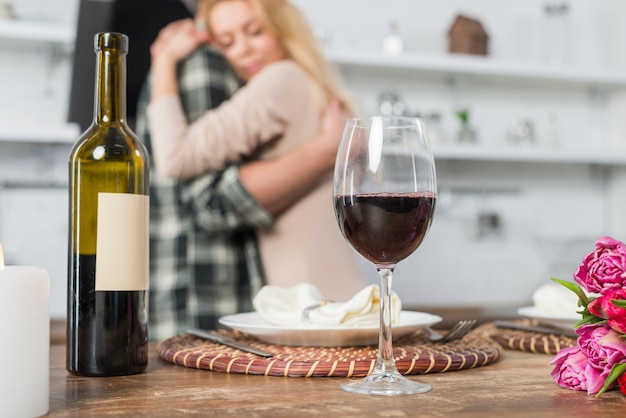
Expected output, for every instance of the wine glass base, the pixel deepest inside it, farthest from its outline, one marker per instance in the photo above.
(386, 384)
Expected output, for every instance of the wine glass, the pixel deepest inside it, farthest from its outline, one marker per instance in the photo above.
(384, 194)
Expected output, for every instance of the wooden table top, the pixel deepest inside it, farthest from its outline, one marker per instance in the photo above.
(518, 385)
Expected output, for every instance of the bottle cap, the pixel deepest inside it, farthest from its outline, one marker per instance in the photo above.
(110, 40)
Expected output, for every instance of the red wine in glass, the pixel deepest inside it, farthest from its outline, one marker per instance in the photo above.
(385, 228)
(384, 194)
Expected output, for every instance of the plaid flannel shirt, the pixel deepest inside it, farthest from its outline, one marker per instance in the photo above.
(204, 260)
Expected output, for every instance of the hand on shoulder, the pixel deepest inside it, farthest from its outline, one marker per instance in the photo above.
(176, 41)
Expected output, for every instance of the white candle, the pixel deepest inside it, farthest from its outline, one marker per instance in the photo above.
(24, 340)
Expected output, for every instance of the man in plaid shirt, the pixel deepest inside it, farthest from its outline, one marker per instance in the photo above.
(204, 261)
(204, 256)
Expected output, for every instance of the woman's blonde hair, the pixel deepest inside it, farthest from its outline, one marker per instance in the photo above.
(293, 31)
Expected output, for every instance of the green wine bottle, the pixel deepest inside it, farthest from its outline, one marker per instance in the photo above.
(107, 307)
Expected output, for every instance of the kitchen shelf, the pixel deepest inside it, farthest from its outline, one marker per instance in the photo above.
(55, 134)
(529, 155)
(32, 184)
(487, 68)
(33, 31)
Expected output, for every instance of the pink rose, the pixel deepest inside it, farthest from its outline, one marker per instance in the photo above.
(573, 371)
(603, 307)
(602, 346)
(605, 268)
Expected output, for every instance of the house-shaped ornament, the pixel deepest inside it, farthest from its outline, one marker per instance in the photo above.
(467, 36)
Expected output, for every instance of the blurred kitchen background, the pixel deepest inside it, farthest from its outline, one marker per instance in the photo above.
(528, 124)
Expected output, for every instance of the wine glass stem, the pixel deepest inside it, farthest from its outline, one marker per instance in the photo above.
(385, 361)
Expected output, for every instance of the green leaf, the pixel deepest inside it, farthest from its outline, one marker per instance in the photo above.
(619, 303)
(616, 371)
(589, 319)
(582, 296)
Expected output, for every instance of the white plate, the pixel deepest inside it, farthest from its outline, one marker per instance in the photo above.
(251, 323)
(559, 321)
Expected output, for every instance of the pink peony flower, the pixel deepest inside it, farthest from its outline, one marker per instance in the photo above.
(573, 371)
(598, 362)
(603, 348)
(604, 268)
(603, 307)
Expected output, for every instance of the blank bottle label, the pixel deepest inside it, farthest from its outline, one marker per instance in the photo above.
(122, 242)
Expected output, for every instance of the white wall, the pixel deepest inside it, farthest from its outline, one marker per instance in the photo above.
(34, 85)
(550, 214)
(516, 29)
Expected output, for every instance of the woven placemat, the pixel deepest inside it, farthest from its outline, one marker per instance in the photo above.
(414, 354)
(533, 342)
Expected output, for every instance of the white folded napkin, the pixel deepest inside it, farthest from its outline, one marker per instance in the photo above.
(283, 306)
(555, 299)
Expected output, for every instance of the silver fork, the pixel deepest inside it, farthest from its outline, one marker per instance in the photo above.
(459, 330)
(306, 312)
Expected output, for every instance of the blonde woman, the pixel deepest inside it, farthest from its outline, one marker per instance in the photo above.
(288, 84)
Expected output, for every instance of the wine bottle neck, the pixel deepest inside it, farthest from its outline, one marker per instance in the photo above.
(110, 89)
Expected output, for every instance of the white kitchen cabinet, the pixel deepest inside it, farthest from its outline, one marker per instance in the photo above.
(35, 66)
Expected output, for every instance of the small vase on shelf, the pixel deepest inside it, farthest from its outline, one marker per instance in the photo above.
(392, 43)
(467, 134)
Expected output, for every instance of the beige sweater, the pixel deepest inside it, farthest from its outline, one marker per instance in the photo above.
(273, 113)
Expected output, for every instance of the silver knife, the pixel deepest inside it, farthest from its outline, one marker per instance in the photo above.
(543, 330)
(229, 342)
